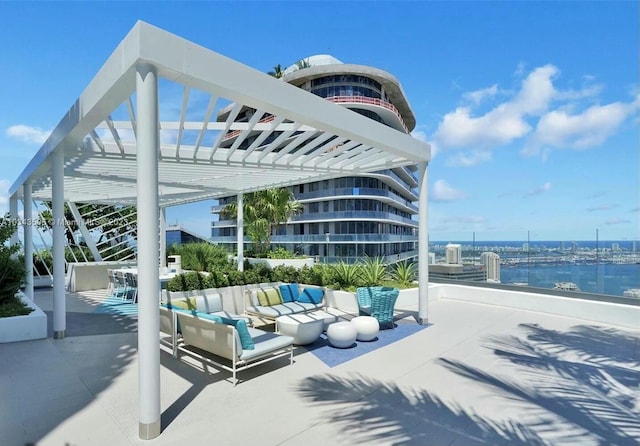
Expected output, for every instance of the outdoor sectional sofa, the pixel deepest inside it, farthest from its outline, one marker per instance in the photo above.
(215, 338)
(270, 302)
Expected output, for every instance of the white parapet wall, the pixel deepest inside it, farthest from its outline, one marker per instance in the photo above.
(24, 328)
(85, 276)
(627, 316)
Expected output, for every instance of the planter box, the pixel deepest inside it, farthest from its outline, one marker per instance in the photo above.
(42, 281)
(272, 263)
(24, 328)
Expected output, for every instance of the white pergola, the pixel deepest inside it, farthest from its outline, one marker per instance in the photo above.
(145, 161)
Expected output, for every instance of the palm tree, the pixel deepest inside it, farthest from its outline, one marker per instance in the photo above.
(277, 72)
(265, 211)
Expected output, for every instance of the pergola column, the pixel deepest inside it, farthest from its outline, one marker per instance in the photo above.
(57, 208)
(13, 214)
(423, 246)
(163, 238)
(240, 232)
(148, 140)
(27, 210)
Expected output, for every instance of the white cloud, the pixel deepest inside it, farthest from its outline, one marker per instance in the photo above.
(4, 196)
(546, 187)
(469, 159)
(28, 134)
(441, 191)
(560, 129)
(505, 122)
(548, 117)
(602, 207)
(616, 221)
(467, 219)
(479, 95)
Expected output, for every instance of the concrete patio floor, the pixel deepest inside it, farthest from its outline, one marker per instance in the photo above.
(481, 375)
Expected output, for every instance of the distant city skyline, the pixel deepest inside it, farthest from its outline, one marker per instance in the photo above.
(532, 116)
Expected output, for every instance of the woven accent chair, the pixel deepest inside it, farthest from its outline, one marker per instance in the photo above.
(364, 295)
(382, 302)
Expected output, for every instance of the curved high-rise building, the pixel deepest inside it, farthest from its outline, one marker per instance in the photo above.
(354, 216)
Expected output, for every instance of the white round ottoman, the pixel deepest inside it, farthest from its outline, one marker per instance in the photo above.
(342, 334)
(301, 327)
(367, 327)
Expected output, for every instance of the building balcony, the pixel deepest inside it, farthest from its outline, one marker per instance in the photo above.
(385, 217)
(367, 101)
(360, 192)
(322, 238)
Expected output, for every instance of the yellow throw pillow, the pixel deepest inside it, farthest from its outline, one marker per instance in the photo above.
(268, 297)
(187, 304)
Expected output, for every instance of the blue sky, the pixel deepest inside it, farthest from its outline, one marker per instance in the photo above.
(531, 107)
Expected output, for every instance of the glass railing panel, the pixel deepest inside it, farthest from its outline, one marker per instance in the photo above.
(553, 260)
(354, 215)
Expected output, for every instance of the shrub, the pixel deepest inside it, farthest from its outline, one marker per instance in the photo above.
(318, 274)
(218, 279)
(12, 271)
(14, 307)
(190, 281)
(404, 273)
(280, 253)
(284, 273)
(236, 277)
(345, 275)
(200, 256)
(373, 272)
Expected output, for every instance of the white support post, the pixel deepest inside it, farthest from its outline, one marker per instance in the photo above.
(163, 239)
(148, 140)
(13, 214)
(57, 205)
(423, 246)
(27, 210)
(240, 232)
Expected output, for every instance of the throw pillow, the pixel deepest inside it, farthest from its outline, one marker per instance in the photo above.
(188, 304)
(240, 325)
(289, 292)
(311, 295)
(269, 296)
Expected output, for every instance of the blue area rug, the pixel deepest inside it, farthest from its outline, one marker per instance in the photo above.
(115, 305)
(332, 356)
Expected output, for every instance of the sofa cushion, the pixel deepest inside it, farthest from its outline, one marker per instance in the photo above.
(290, 292)
(240, 325)
(265, 343)
(269, 296)
(209, 303)
(272, 311)
(311, 295)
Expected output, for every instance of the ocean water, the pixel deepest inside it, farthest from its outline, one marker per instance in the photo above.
(608, 278)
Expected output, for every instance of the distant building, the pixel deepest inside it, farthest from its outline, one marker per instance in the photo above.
(491, 262)
(366, 215)
(475, 273)
(432, 258)
(177, 235)
(615, 247)
(453, 254)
